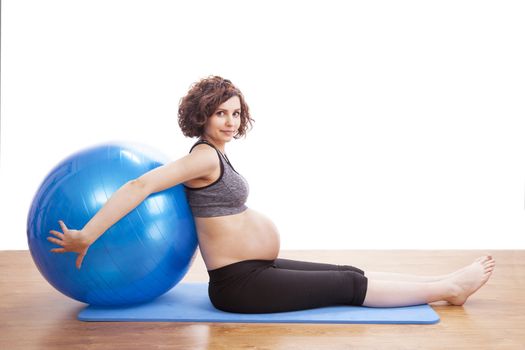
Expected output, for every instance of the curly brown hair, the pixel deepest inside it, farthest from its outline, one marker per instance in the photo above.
(203, 99)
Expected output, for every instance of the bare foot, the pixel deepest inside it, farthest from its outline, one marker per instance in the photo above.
(469, 279)
(460, 271)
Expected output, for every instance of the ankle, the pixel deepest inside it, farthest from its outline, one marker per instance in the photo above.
(451, 290)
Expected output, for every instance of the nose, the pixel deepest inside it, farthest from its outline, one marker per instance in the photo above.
(229, 120)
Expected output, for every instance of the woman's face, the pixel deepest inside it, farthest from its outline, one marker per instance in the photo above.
(222, 125)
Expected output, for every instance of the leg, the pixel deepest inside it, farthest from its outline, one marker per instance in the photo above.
(375, 275)
(401, 277)
(385, 290)
(384, 293)
(266, 288)
(261, 287)
(455, 289)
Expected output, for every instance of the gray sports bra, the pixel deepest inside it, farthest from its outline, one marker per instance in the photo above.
(225, 196)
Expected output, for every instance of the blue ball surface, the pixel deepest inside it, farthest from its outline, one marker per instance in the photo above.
(140, 257)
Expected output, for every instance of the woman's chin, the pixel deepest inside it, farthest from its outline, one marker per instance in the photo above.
(226, 137)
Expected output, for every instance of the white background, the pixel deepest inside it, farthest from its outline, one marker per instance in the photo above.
(379, 124)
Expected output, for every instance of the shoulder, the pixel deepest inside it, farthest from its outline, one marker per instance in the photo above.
(203, 156)
(204, 151)
(203, 146)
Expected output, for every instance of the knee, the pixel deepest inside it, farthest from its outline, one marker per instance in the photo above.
(358, 285)
(351, 268)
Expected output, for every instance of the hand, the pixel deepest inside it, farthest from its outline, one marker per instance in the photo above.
(70, 241)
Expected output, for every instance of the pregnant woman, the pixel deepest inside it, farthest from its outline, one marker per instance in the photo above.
(240, 246)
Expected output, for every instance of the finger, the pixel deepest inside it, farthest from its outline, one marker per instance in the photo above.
(62, 225)
(56, 241)
(56, 233)
(58, 250)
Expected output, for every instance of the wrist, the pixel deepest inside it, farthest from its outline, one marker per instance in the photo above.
(88, 236)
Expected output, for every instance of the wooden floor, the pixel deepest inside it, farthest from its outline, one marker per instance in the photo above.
(35, 316)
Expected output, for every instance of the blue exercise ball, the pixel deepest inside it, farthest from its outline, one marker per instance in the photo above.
(141, 257)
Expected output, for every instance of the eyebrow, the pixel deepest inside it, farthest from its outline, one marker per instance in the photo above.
(224, 109)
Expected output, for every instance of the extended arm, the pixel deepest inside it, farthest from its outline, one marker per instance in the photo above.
(196, 164)
(200, 163)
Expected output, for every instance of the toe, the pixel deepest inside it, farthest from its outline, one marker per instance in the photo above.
(490, 263)
(482, 259)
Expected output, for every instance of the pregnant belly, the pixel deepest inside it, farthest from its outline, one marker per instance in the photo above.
(228, 239)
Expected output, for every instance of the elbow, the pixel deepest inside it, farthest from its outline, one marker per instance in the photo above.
(138, 186)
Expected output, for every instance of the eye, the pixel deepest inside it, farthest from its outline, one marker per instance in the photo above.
(235, 114)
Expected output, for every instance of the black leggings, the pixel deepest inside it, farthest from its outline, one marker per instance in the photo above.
(264, 286)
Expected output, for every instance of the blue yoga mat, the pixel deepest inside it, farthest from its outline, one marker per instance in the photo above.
(189, 302)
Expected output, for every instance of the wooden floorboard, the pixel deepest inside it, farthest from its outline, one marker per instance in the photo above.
(35, 316)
